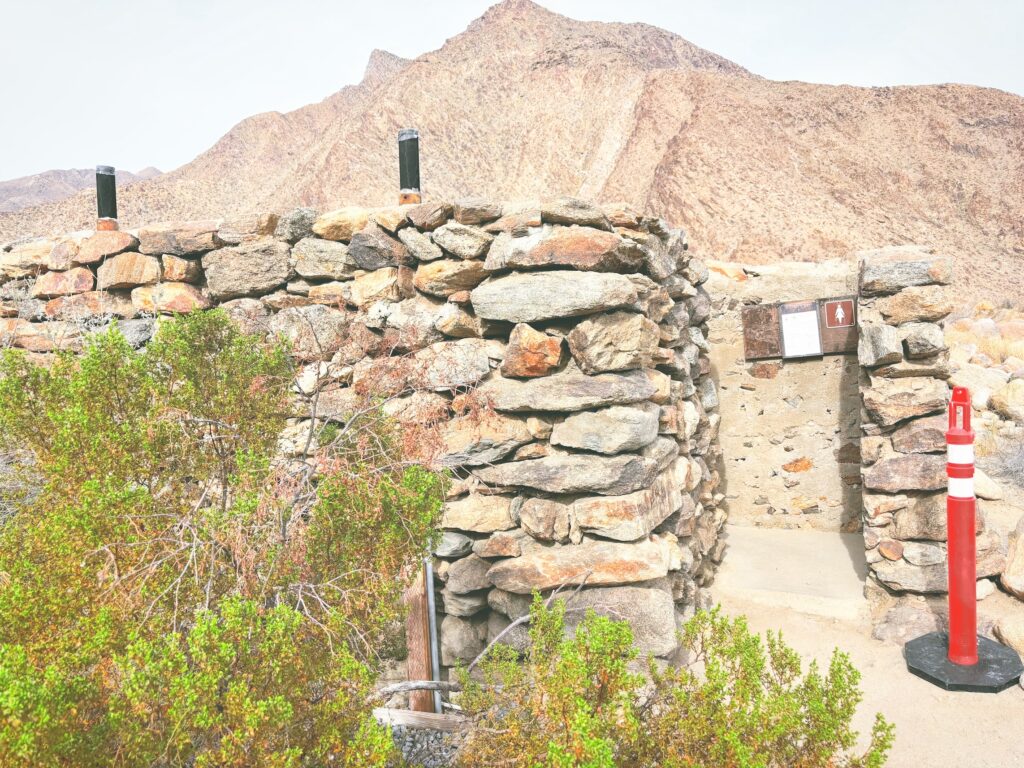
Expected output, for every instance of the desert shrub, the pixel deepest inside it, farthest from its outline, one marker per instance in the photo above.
(740, 701)
(172, 592)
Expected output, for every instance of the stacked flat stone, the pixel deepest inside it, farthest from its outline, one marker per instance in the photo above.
(905, 391)
(561, 346)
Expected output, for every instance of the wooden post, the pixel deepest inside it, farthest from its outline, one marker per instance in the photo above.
(417, 633)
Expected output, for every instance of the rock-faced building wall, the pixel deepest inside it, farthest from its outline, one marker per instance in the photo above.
(560, 349)
(904, 297)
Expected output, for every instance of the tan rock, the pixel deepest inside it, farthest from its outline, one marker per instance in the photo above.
(127, 270)
(429, 216)
(456, 322)
(518, 222)
(52, 284)
(248, 226)
(478, 514)
(51, 336)
(463, 241)
(89, 305)
(500, 544)
(419, 245)
(631, 516)
(571, 210)
(609, 430)
(530, 353)
(614, 342)
(621, 214)
(530, 297)
(179, 238)
(317, 259)
(476, 210)
(1009, 629)
(878, 345)
(576, 473)
(102, 245)
(568, 390)
(583, 248)
(1008, 401)
(889, 401)
(331, 294)
(25, 259)
(892, 271)
(179, 270)
(481, 438)
(176, 298)
(452, 365)
(927, 435)
(468, 575)
(387, 284)
(909, 472)
(936, 367)
(447, 276)
(313, 332)
(985, 487)
(597, 562)
(546, 519)
(926, 303)
(1012, 577)
(924, 517)
(390, 218)
(891, 549)
(341, 224)
(252, 268)
(373, 247)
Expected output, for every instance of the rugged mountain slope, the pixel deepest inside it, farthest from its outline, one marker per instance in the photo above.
(526, 102)
(51, 186)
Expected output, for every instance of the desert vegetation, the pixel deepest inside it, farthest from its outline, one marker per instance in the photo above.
(174, 592)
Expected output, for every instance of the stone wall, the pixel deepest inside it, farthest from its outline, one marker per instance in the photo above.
(560, 347)
(903, 300)
(790, 429)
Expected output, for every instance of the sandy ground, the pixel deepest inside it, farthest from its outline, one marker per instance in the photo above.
(807, 584)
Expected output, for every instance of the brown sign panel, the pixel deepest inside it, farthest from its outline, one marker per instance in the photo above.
(761, 332)
(838, 325)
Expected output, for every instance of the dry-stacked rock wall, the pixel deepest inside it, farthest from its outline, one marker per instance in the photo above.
(904, 386)
(559, 348)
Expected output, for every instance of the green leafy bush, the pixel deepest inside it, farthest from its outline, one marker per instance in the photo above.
(740, 702)
(176, 594)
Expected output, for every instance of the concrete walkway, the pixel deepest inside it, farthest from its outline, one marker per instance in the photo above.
(808, 585)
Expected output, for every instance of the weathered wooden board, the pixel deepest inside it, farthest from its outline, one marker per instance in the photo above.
(838, 325)
(411, 719)
(417, 633)
(761, 332)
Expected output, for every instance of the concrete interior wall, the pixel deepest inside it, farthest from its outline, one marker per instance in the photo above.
(790, 431)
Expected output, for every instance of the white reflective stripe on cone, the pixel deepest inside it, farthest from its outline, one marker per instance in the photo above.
(960, 454)
(961, 487)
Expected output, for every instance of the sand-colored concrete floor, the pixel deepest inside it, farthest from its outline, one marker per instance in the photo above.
(808, 585)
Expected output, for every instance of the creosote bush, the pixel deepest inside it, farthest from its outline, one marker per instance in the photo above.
(173, 592)
(739, 702)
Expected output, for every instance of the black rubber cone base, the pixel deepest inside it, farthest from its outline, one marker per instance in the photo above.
(997, 669)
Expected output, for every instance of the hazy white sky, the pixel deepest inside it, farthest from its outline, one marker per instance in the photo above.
(134, 83)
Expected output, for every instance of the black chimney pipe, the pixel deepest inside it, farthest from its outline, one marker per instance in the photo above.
(106, 197)
(409, 165)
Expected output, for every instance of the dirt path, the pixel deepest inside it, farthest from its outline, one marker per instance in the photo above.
(800, 582)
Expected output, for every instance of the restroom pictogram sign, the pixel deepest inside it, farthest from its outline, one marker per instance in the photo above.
(839, 313)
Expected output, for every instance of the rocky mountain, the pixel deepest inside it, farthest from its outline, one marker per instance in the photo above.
(526, 103)
(51, 186)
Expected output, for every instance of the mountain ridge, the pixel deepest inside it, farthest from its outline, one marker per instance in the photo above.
(527, 103)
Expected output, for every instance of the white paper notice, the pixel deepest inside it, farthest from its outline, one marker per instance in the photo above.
(800, 337)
